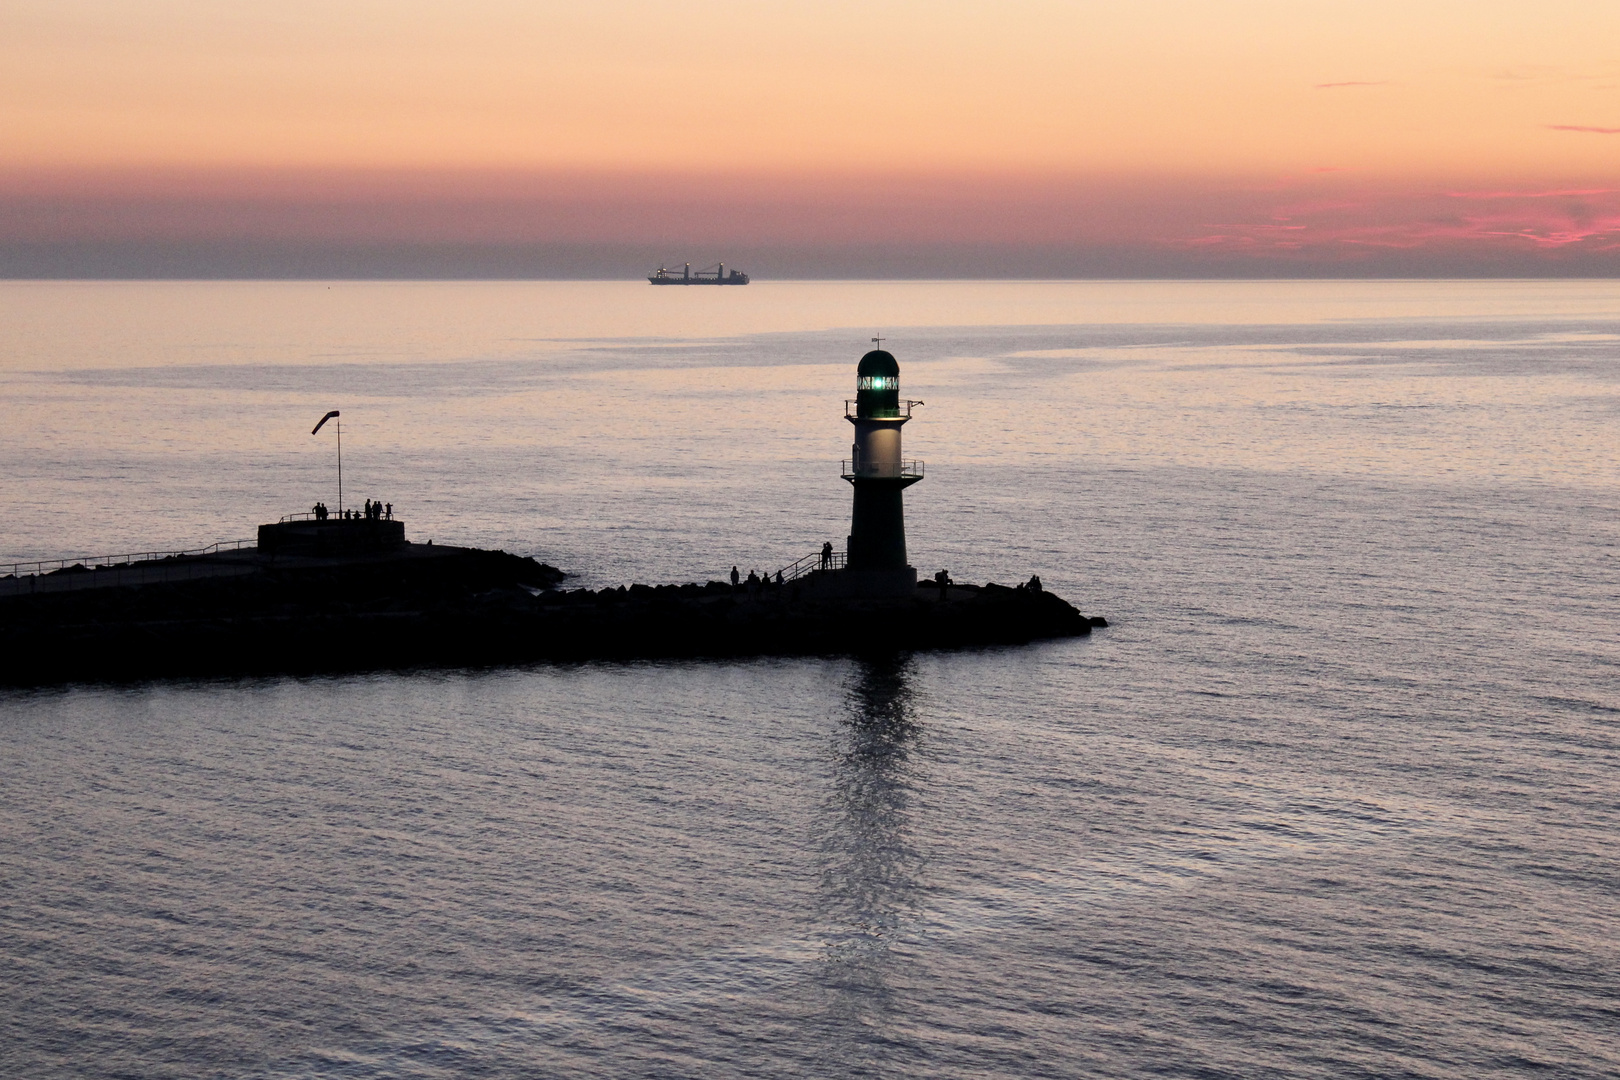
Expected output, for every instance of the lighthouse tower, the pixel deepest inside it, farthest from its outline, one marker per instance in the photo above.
(879, 474)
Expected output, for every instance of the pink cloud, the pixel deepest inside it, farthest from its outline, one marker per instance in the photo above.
(1314, 206)
(1336, 85)
(1578, 127)
(1498, 223)
(1528, 194)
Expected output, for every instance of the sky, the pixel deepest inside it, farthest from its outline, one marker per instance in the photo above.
(1161, 138)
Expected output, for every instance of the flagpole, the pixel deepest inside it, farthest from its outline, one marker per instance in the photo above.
(334, 415)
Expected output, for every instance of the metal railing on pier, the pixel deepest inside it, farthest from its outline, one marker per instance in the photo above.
(333, 518)
(96, 571)
(881, 470)
(837, 560)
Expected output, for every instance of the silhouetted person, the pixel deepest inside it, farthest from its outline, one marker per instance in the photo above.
(1034, 583)
(943, 580)
(826, 555)
(779, 577)
(390, 511)
(735, 578)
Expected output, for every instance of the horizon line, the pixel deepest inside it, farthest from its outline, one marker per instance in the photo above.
(494, 279)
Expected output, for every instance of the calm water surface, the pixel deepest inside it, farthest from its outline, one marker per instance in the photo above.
(1336, 795)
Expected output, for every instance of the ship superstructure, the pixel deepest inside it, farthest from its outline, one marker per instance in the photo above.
(709, 275)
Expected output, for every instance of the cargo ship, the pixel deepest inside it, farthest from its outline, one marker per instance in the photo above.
(713, 275)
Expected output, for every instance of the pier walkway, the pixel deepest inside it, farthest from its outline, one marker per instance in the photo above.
(228, 558)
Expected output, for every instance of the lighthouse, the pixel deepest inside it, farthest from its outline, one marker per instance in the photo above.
(880, 474)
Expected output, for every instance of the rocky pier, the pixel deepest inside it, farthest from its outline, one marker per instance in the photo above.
(258, 612)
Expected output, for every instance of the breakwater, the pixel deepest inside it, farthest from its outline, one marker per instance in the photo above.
(245, 612)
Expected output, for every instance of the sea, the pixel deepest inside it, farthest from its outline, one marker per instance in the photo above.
(1335, 794)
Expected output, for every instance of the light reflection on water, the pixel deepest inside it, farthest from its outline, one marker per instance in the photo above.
(872, 876)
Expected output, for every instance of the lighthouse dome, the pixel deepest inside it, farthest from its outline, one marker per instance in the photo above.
(878, 362)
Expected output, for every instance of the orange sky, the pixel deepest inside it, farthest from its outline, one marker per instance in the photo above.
(1252, 130)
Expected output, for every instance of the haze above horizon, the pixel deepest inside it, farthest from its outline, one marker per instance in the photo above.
(1031, 138)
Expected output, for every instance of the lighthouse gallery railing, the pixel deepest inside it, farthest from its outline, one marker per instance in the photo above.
(903, 409)
(881, 470)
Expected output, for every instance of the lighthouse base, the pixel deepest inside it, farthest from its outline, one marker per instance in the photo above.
(858, 584)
